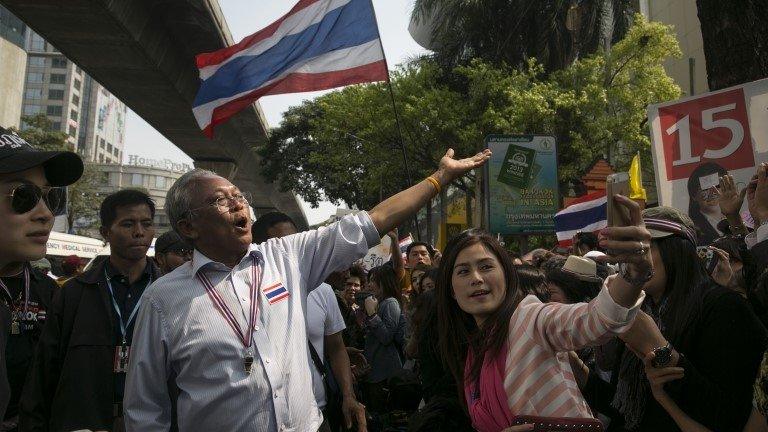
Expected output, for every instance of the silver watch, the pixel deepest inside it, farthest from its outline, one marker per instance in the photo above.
(641, 280)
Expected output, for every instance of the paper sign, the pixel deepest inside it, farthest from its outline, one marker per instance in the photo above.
(709, 181)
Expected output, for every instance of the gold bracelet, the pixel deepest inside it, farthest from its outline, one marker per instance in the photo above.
(434, 182)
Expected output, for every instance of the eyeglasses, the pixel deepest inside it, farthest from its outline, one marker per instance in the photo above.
(25, 197)
(709, 194)
(224, 204)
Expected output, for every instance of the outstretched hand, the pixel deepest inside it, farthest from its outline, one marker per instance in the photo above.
(450, 169)
(731, 199)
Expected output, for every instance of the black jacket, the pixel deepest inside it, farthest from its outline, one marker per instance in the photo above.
(20, 349)
(722, 352)
(71, 385)
(5, 388)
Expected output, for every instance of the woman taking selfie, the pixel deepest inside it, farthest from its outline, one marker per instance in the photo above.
(508, 351)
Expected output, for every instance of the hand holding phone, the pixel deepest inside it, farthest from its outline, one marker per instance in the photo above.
(617, 184)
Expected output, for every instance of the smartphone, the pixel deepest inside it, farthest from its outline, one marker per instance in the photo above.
(708, 257)
(617, 184)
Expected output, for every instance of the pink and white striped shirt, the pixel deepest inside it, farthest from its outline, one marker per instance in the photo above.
(537, 377)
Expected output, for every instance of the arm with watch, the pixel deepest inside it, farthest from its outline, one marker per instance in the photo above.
(715, 383)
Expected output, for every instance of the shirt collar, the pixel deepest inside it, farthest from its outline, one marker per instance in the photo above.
(200, 261)
(112, 272)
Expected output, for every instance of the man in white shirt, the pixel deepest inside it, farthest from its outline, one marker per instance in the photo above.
(230, 324)
(324, 326)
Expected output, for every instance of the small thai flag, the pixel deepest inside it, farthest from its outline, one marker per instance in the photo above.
(276, 293)
(586, 214)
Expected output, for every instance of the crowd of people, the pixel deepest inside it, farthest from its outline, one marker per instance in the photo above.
(241, 325)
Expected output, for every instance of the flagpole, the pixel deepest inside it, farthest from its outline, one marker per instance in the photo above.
(397, 120)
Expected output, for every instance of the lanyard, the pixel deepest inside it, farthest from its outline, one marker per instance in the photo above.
(123, 325)
(26, 291)
(246, 336)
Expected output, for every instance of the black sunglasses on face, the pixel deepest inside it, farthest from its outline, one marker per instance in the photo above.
(25, 197)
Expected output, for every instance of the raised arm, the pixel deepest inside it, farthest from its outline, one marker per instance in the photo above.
(394, 210)
(394, 248)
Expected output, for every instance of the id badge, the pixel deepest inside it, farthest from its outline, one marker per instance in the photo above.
(15, 328)
(122, 353)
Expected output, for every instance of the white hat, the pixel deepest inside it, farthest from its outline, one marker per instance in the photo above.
(581, 268)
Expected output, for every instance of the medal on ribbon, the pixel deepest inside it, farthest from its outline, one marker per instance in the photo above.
(245, 336)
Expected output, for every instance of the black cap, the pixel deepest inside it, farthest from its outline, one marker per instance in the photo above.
(170, 242)
(62, 168)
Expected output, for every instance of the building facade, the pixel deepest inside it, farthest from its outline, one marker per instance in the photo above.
(77, 105)
(154, 176)
(689, 71)
(13, 65)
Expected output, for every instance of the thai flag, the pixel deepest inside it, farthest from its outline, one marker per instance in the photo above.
(586, 214)
(275, 293)
(319, 44)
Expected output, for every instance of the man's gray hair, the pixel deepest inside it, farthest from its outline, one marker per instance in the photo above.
(178, 200)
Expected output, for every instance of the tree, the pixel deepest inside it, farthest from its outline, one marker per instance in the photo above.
(345, 142)
(596, 107)
(82, 200)
(735, 41)
(511, 32)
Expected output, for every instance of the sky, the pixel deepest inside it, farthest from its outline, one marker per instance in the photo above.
(245, 17)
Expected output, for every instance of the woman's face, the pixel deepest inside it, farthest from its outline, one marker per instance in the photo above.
(427, 284)
(556, 294)
(658, 283)
(415, 276)
(708, 199)
(478, 282)
(374, 288)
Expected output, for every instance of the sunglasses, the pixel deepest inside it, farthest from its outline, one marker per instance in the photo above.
(25, 197)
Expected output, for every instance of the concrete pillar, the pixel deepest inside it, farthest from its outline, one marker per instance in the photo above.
(13, 66)
(226, 168)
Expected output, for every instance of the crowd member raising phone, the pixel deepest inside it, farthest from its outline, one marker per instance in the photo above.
(502, 346)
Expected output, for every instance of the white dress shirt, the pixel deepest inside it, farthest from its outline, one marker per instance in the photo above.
(179, 331)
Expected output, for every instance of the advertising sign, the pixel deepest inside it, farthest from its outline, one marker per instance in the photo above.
(698, 139)
(60, 244)
(521, 187)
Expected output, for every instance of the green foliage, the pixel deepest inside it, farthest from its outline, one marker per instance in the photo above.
(345, 143)
(510, 32)
(596, 107)
(83, 202)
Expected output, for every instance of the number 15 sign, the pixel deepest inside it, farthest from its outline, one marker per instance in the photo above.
(726, 130)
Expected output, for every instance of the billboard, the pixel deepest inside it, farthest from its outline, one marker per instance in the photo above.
(521, 188)
(696, 140)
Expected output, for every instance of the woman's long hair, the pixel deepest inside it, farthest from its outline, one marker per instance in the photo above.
(532, 281)
(676, 315)
(386, 278)
(457, 329)
(687, 281)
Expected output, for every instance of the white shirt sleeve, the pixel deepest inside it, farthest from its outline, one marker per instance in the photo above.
(335, 247)
(334, 322)
(147, 405)
(757, 236)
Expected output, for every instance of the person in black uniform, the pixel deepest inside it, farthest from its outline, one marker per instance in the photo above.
(31, 194)
(78, 376)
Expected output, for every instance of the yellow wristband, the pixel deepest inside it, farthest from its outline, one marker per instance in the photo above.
(434, 182)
